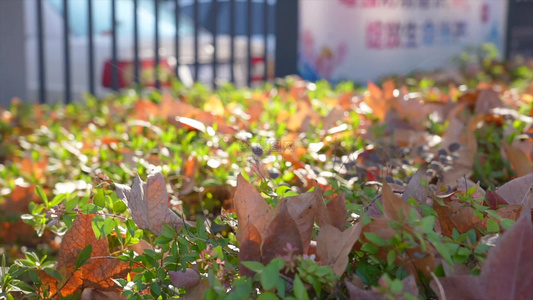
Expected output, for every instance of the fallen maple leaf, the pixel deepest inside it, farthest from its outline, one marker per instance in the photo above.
(148, 203)
(454, 214)
(336, 210)
(303, 209)
(282, 231)
(333, 245)
(99, 271)
(264, 233)
(506, 273)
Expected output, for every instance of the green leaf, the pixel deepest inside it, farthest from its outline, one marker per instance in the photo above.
(391, 257)
(370, 248)
(267, 296)
(396, 286)
(84, 256)
(299, 289)
(329, 193)
(57, 199)
(506, 223)
(443, 250)
(269, 277)
(99, 198)
(427, 224)
(54, 273)
(492, 226)
(254, 266)
(42, 194)
(374, 238)
(119, 207)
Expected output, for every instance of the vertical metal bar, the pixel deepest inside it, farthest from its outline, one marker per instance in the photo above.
(114, 60)
(249, 41)
(156, 50)
(196, 12)
(215, 31)
(40, 54)
(177, 4)
(66, 50)
(232, 39)
(91, 45)
(286, 31)
(136, 66)
(266, 7)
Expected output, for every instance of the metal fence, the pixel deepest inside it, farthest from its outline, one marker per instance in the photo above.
(234, 37)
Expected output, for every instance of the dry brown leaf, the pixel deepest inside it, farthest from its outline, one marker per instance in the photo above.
(148, 203)
(249, 248)
(493, 200)
(250, 208)
(518, 190)
(506, 273)
(518, 159)
(303, 209)
(357, 293)
(458, 132)
(454, 214)
(487, 99)
(99, 270)
(415, 188)
(333, 245)
(184, 279)
(282, 231)
(394, 208)
(337, 213)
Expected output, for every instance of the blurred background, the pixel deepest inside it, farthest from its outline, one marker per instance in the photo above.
(57, 50)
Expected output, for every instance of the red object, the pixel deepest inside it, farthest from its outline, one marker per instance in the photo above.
(256, 61)
(126, 73)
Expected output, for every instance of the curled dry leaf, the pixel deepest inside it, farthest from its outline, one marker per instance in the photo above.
(333, 245)
(506, 273)
(99, 270)
(148, 203)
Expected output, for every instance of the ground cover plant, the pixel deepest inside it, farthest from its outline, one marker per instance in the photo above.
(407, 189)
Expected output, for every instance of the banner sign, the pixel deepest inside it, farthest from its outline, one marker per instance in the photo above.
(362, 40)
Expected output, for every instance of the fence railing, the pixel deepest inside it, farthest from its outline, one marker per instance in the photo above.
(107, 45)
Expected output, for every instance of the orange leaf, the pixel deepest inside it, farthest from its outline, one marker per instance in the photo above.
(99, 270)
